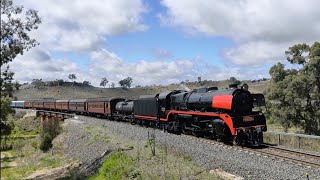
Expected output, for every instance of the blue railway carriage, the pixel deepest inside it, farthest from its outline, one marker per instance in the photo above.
(17, 104)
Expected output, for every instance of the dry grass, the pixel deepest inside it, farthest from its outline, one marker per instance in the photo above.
(29, 160)
(165, 164)
(293, 141)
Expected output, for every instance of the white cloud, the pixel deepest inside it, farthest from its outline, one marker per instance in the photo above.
(261, 30)
(81, 25)
(38, 64)
(256, 52)
(107, 64)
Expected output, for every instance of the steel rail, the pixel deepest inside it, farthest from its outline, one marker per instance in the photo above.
(261, 152)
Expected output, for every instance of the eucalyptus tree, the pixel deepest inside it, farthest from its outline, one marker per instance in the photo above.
(295, 92)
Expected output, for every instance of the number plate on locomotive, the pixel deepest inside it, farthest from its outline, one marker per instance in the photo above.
(248, 118)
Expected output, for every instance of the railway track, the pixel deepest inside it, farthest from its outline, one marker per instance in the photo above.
(297, 157)
(292, 155)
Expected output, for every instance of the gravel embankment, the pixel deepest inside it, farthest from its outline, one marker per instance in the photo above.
(80, 143)
(249, 166)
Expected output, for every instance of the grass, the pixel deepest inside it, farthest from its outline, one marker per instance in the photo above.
(17, 173)
(293, 141)
(288, 140)
(89, 128)
(310, 144)
(170, 165)
(275, 126)
(24, 129)
(137, 162)
(8, 172)
(51, 161)
(118, 166)
(27, 126)
(26, 167)
(96, 134)
(26, 153)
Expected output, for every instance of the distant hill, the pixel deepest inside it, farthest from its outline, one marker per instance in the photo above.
(69, 91)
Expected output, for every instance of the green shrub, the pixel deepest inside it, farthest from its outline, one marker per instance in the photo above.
(118, 166)
(34, 144)
(270, 120)
(46, 142)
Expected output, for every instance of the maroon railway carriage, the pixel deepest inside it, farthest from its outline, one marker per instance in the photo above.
(28, 104)
(102, 106)
(78, 106)
(62, 105)
(38, 104)
(49, 104)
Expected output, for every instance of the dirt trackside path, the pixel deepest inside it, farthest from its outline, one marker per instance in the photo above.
(53, 173)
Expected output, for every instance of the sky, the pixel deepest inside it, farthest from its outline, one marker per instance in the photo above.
(165, 41)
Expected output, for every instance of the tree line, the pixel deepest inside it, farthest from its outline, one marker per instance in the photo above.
(39, 83)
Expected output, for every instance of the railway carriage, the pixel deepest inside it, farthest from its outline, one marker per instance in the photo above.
(102, 106)
(28, 104)
(62, 105)
(38, 104)
(49, 104)
(17, 104)
(78, 106)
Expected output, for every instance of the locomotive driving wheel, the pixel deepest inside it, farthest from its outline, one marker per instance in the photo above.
(238, 139)
(185, 129)
(197, 132)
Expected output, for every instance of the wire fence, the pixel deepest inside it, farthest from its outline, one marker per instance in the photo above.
(301, 141)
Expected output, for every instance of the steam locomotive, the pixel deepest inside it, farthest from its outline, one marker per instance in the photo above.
(226, 115)
(229, 115)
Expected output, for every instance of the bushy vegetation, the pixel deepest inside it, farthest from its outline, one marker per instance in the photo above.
(40, 84)
(46, 142)
(50, 129)
(118, 166)
(6, 124)
(294, 94)
(104, 82)
(126, 82)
